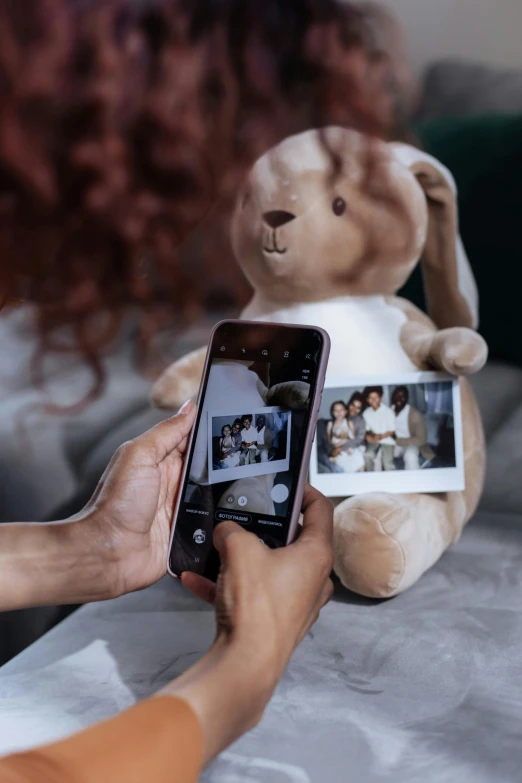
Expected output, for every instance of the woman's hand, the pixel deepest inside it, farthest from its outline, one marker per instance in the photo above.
(266, 601)
(116, 544)
(130, 514)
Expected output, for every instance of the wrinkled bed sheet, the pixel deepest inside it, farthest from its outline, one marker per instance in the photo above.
(426, 686)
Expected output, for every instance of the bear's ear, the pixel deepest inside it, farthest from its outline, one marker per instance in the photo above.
(451, 291)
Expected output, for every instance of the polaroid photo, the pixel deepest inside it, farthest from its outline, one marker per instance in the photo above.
(391, 433)
(248, 443)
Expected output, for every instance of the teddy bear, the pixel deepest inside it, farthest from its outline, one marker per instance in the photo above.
(328, 226)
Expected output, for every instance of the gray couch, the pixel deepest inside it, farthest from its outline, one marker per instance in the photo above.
(458, 88)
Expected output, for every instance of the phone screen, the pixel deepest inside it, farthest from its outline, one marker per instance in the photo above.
(247, 451)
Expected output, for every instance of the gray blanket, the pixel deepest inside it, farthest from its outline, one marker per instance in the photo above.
(426, 686)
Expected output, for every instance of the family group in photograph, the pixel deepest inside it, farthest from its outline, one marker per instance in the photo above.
(365, 435)
(245, 443)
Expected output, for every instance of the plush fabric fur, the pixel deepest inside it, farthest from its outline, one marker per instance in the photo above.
(341, 272)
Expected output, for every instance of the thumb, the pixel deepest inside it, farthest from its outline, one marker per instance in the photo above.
(234, 546)
(223, 533)
(168, 435)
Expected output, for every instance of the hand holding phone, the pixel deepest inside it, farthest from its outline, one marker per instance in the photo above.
(266, 601)
(259, 400)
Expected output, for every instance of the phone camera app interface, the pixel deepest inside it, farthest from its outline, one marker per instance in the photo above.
(247, 449)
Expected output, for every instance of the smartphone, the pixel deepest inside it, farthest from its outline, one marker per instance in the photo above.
(249, 452)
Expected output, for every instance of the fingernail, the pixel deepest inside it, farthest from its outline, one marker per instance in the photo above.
(185, 408)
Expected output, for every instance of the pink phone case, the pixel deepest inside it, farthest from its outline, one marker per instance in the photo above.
(310, 435)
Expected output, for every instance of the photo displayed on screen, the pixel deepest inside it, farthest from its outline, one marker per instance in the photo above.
(248, 444)
(246, 452)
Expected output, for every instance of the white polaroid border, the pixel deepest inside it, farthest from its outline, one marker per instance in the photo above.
(246, 471)
(400, 481)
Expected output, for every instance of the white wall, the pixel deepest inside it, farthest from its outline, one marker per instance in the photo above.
(486, 31)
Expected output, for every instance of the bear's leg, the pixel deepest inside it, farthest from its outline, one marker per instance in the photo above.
(383, 543)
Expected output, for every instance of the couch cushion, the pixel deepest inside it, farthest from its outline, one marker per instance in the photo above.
(454, 87)
(503, 487)
(498, 389)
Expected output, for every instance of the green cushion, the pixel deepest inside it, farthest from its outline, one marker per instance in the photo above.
(485, 156)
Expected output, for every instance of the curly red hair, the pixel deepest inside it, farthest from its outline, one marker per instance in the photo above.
(122, 123)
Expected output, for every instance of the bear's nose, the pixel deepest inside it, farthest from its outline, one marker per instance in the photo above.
(278, 218)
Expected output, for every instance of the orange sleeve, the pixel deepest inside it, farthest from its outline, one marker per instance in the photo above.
(158, 740)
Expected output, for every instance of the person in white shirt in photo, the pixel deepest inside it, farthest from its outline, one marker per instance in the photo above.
(248, 442)
(410, 432)
(380, 430)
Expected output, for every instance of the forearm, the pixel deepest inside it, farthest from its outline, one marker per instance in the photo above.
(158, 740)
(353, 443)
(413, 441)
(228, 692)
(52, 563)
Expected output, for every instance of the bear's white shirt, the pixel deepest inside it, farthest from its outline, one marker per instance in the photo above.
(365, 331)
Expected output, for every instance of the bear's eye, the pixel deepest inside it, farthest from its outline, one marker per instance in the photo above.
(339, 206)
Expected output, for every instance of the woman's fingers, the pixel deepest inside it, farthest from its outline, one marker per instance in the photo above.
(311, 497)
(239, 551)
(200, 586)
(168, 435)
(222, 534)
(317, 529)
